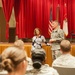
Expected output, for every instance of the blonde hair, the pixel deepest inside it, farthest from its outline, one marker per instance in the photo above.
(19, 44)
(12, 57)
(65, 45)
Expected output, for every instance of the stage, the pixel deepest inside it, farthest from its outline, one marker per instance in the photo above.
(27, 47)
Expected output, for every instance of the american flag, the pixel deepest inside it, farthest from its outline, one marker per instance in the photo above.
(50, 26)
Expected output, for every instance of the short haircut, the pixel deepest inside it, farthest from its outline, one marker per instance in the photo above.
(65, 45)
(56, 22)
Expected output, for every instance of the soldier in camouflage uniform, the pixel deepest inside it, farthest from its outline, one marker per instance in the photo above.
(38, 66)
(66, 59)
(57, 36)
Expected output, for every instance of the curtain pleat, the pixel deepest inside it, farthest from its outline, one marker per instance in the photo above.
(7, 8)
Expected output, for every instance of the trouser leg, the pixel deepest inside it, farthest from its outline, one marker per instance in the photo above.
(55, 54)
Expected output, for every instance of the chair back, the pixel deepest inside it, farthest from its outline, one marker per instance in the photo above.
(65, 71)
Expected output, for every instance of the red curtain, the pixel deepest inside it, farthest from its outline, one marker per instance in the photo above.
(17, 11)
(70, 9)
(35, 13)
(24, 20)
(72, 15)
(7, 7)
(30, 14)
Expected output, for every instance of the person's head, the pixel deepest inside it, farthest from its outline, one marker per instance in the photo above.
(19, 43)
(65, 46)
(37, 31)
(14, 59)
(38, 57)
(55, 24)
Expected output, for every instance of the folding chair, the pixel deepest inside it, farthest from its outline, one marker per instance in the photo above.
(65, 71)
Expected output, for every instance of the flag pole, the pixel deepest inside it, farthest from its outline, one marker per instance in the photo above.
(57, 13)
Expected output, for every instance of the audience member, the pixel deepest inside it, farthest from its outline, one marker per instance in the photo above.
(14, 60)
(20, 44)
(38, 66)
(57, 36)
(66, 59)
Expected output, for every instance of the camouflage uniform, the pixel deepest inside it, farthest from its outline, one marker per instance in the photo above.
(44, 70)
(65, 60)
(58, 35)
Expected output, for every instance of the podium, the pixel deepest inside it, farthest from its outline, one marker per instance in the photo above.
(12, 35)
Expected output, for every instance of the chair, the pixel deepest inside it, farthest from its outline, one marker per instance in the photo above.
(65, 71)
(72, 35)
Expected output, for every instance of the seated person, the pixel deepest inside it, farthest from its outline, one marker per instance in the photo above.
(20, 44)
(66, 59)
(38, 66)
(14, 60)
(38, 39)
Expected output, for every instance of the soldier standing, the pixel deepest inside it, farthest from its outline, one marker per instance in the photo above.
(57, 36)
